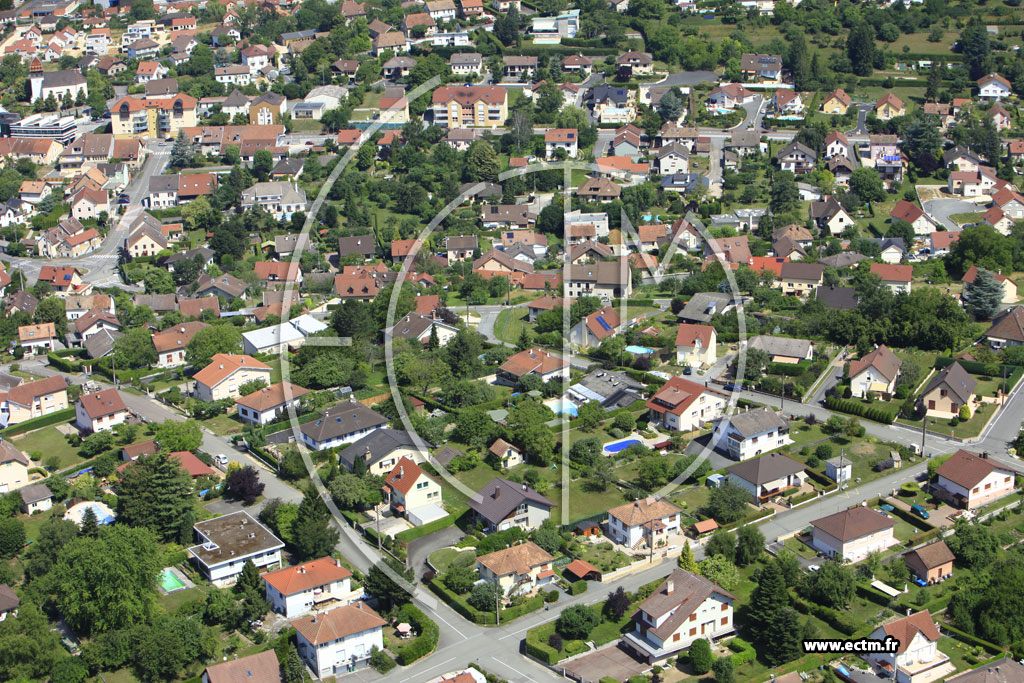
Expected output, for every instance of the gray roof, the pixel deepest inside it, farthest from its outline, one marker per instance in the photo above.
(227, 283)
(843, 259)
(797, 147)
(205, 252)
(235, 99)
(342, 419)
(757, 421)
(376, 446)
(33, 493)
(500, 497)
(101, 343)
(160, 303)
(768, 467)
(956, 380)
(1005, 670)
(886, 242)
(9, 600)
(446, 454)
(610, 389)
(233, 535)
(702, 306)
(62, 79)
(837, 297)
(289, 166)
(363, 245)
(780, 346)
(471, 58)
(411, 326)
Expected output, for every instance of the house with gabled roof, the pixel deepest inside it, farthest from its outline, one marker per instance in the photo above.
(783, 349)
(346, 422)
(294, 591)
(851, 535)
(502, 504)
(340, 640)
(836, 102)
(875, 373)
(948, 391)
(682, 405)
(517, 570)
(898, 278)
(917, 658)
(889, 107)
(1009, 286)
(171, 343)
(930, 563)
(799, 278)
(506, 454)
(750, 433)
(593, 329)
(968, 480)
(645, 522)
(38, 338)
(533, 361)
(992, 86)
(830, 215)
(696, 345)
(13, 467)
(100, 411)
(1007, 328)
(269, 403)
(922, 223)
(682, 609)
(226, 373)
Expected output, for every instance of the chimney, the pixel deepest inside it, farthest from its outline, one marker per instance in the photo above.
(314, 617)
(302, 569)
(337, 562)
(497, 492)
(401, 471)
(670, 587)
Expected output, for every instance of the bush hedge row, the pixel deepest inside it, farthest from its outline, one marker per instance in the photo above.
(991, 648)
(830, 616)
(39, 422)
(424, 643)
(421, 531)
(855, 407)
(457, 603)
(743, 652)
(871, 593)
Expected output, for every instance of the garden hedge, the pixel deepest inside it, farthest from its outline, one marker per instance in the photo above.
(991, 648)
(856, 408)
(871, 593)
(832, 617)
(743, 652)
(421, 531)
(424, 643)
(39, 422)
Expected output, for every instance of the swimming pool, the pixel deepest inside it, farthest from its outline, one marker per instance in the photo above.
(621, 445)
(169, 582)
(565, 407)
(639, 350)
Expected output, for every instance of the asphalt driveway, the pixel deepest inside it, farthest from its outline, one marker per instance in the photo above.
(420, 549)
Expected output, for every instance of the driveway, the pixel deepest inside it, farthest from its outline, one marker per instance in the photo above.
(941, 209)
(688, 78)
(420, 549)
(862, 117)
(612, 662)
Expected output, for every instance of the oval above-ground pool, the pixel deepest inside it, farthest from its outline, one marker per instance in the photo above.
(639, 350)
(621, 445)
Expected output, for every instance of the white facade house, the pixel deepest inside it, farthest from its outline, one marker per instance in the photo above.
(100, 410)
(343, 423)
(294, 591)
(969, 481)
(649, 522)
(339, 640)
(851, 535)
(917, 657)
(993, 87)
(749, 434)
(269, 403)
(226, 542)
(766, 477)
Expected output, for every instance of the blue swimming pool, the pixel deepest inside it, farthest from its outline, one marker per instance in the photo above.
(565, 407)
(639, 350)
(621, 445)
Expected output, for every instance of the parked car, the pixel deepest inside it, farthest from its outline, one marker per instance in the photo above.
(733, 387)
(919, 511)
(687, 370)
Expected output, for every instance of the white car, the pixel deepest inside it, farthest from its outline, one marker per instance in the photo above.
(814, 568)
(221, 460)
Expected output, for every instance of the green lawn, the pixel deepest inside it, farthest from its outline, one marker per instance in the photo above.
(224, 425)
(604, 556)
(801, 549)
(510, 324)
(306, 126)
(42, 443)
(964, 430)
(443, 558)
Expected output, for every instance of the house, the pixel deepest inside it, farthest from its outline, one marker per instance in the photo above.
(917, 657)
(517, 570)
(225, 543)
(837, 145)
(280, 199)
(1002, 670)
(13, 467)
(761, 67)
(269, 403)
(949, 391)
(851, 535)
(913, 214)
(635, 63)
(830, 215)
(278, 271)
(750, 433)
(889, 107)
(703, 306)
(696, 345)
(382, 449)
(589, 252)
(294, 591)
(170, 344)
(837, 102)
(592, 329)
(262, 667)
(532, 361)
(507, 216)
(875, 373)
(195, 308)
(422, 328)
(608, 280)
(508, 455)
(34, 399)
(154, 117)
(898, 278)
(60, 84)
(564, 139)
(730, 96)
(412, 493)
(502, 504)
(787, 102)
(683, 406)
(577, 64)
(930, 563)
(783, 349)
(1008, 285)
(796, 157)
(671, 159)
(340, 640)
(599, 189)
(941, 240)
(343, 423)
(225, 285)
(993, 87)
(682, 609)
(89, 204)
(226, 373)
(92, 323)
(470, 106)
(465, 63)
(647, 522)
(1007, 328)
(800, 279)
(36, 339)
(100, 410)
(998, 219)
(767, 477)
(961, 158)
(968, 480)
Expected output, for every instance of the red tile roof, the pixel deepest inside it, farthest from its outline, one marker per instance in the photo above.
(307, 576)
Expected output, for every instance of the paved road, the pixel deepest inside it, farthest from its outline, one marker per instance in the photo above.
(941, 209)
(835, 376)
(862, 118)
(419, 550)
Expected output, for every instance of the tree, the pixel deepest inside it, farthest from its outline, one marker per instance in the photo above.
(312, 533)
(974, 546)
(526, 424)
(724, 670)
(90, 525)
(585, 453)
(721, 544)
(686, 559)
(547, 535)
(769, 599)
(244, 484)
(860, 49)
(485, 596)
(616, 604)
(506, 27)
(576, 622)
(29, 646)
(975, 48)
(12, 537)
(54, 535)
(474, 427)
(867, 184)
(181, 151)
(481, 162)
(749, 545)
(799, 62)
(179, 436)
(785, 195)
(379, 584)
(351, 492)
(672, 105)
(459, 577)
(590, 416)
(720, 570)
(652, 472)
(262, 164)
(789, 565)
(833, 585)
(156, 493)
(984, 295)
(210, 341)
(107, 582)
(700, 656)
(728, 503)
(935, 73)
(982, 246)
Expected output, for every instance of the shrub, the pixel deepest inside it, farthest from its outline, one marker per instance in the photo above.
(700, 656)
(551, 596)
(576, 622)
(380, 661)
(555, 641)
(424, 643)
(578, 587)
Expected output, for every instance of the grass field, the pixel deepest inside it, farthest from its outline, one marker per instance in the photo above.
(46, 442)
(443, 558)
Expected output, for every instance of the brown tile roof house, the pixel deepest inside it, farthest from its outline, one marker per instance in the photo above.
(853, 523)
(965, 469)
(532, 361)
(599, 188)
(102, 403)
(906, 628)
(225, 284)
(930, 556)
(10, 453)
(339, 623)
(138, 449)
(270, 397)
(362, 245)
(956, 381)
(678, 596)
(277, 271)
(643, 511)
(262, 667)
(222, 365)
(504, 259)
(307, 575)
(881, 359)
(519, 559)
(499, 498)
(1008, 326)
(893, 272)
(193, 308)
